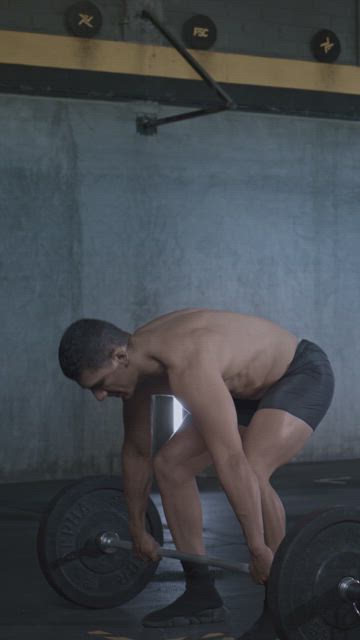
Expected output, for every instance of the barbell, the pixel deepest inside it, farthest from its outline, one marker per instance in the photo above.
(85, 553)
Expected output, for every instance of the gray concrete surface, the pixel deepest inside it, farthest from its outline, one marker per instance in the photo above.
(248, 212)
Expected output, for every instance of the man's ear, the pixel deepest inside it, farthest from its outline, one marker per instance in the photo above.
(120, 356)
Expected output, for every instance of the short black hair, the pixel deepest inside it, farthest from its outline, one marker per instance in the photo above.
(88, 344)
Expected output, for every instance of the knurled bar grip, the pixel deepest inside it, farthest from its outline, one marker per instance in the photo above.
(110, 540)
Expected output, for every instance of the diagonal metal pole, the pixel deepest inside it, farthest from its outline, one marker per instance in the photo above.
(148, 125)
(190, 59)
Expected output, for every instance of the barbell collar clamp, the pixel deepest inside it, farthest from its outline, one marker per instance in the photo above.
(349, 589)
(110, 541)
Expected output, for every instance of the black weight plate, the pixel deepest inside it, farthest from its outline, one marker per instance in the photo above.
(308, 566)
(83, 19)
(325, 46)
(199, 32)
(70, 560)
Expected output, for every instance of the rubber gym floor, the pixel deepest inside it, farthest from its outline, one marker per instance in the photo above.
(31, 610)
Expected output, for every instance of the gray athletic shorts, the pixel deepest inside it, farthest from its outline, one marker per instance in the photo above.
(305, 390)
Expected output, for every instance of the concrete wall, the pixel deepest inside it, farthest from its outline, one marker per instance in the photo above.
(259, 214)
(280, 28)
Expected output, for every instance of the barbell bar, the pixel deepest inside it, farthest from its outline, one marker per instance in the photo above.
(109, 542)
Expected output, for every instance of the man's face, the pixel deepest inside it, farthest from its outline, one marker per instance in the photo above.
(116, 379)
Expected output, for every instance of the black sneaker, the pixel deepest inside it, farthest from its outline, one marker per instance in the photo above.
(262, 629)
(194, 606)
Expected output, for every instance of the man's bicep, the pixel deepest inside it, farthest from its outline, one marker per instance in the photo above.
(206, 396)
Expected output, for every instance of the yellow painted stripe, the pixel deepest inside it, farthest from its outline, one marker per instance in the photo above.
(65, 52)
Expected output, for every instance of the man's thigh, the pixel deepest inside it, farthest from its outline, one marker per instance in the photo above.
(273, 438)
(187, 448)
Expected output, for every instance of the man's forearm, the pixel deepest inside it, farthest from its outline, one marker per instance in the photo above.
(137, 477)
(242, 489)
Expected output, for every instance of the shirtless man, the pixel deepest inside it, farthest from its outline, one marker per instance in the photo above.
(254, 393)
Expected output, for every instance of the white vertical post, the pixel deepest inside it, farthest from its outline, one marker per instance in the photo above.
(177, 414)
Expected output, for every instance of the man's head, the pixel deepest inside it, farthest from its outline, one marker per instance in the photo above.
(94, 353)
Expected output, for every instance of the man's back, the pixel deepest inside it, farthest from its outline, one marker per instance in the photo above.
(250, 353)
